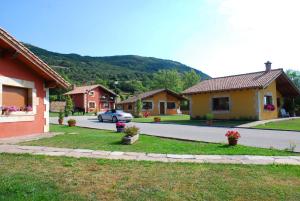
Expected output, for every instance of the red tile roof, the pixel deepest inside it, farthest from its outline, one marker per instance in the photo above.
(83, 89)
(148, 94)
(19, 48)
(244, 81)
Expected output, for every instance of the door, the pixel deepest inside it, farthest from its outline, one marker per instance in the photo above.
(162, 108)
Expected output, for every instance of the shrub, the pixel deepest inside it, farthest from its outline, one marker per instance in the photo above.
(139, 107)
(157, 119)
(209, 116)
(71, 121)
(131, 131)
(61, 114)
(69, 106)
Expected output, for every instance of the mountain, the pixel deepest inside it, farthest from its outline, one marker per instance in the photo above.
(79, 68)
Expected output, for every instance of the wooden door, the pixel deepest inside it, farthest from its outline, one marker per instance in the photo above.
(162, 108)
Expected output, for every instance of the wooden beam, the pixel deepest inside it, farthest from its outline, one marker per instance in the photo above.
(50, 84)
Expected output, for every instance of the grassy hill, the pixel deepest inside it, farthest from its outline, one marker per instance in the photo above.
(79, 68)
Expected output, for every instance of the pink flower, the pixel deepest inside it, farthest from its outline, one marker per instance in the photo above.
(233, 134)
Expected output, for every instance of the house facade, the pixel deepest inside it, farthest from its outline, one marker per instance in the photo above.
(93, 98)
(256, 95)
(24, 89)
(156, 102)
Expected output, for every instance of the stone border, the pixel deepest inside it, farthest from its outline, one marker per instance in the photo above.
(118, 155)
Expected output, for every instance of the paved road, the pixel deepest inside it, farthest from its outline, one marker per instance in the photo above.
(250, 137)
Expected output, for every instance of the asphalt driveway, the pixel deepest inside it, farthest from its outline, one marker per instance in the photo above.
(249, 137)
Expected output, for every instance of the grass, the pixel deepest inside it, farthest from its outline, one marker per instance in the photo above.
(293, 124)
(185, 120)
(25, 177)
(84, 138)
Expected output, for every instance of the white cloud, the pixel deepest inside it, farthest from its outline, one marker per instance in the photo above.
(256, 31)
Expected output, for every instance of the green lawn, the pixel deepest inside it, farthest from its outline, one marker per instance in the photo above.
(55, 114)
(76, 137)
(35, 178)
(293, 124)
(185, 120)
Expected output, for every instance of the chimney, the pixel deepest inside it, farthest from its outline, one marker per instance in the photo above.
(268, 66)
(73, 86)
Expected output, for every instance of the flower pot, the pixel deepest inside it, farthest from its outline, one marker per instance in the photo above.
(232, 141)
(130, 139)
(72, 124)
(60, 121)
(120, 129)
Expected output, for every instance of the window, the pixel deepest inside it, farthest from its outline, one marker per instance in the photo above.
(221, 104)
(171, 105)
(91, 93)
(92, 105)
(268, 100)
(130, 107)
(147, 105)
(16, 96)
(105, 105)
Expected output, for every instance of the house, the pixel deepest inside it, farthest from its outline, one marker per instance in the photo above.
(93, 98)
(24, 89)
(156, 102)
(257, 95)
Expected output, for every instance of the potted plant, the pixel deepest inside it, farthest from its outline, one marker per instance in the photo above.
(269, 107)
(132, 135)
(120, 126)
(209, 119)
(61, 116)
(232, 137)
(28, 108)
(157, 119)
(72, 122)
(8, 110)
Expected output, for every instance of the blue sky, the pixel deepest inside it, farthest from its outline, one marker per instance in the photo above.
(219, 37)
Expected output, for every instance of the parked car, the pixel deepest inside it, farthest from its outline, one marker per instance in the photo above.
(114, 116)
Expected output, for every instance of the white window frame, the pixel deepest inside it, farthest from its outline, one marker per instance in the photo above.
(92, 93)
(19, 116)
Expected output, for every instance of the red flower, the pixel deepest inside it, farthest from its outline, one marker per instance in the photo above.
(233, 134)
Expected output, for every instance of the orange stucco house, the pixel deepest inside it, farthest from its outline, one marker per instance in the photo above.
(258, 95)
(24, 89)
(155, 102)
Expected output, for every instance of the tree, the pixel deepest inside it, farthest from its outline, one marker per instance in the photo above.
(293, 105)
(69, 106)
(294, 76)
(190, 79)
(139, 107)
(169, 79)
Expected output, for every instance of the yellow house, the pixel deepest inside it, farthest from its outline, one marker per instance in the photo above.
(257, 95)
(156, 102)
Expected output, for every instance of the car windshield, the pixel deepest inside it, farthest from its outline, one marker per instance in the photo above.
(119, 111)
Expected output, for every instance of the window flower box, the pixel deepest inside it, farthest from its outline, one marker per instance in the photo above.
(269, 107)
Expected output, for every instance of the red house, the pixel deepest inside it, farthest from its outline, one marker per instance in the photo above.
(93, 98)
(24, 89)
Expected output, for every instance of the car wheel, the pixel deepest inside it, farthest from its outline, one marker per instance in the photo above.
(114, 119)
(100, 118)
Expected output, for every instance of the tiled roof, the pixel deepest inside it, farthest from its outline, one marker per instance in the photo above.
(244, 81)
(36, 61)
(149, 94)
(83, 89)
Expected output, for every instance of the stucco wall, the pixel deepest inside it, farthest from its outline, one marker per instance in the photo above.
(270, 90)
(156, 99)
(35, 124)
(242, 104)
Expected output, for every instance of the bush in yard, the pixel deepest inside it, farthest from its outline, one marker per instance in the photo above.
(69, 106)
(131, 131)
(157, 119)
(139, 107)
(61, 117)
